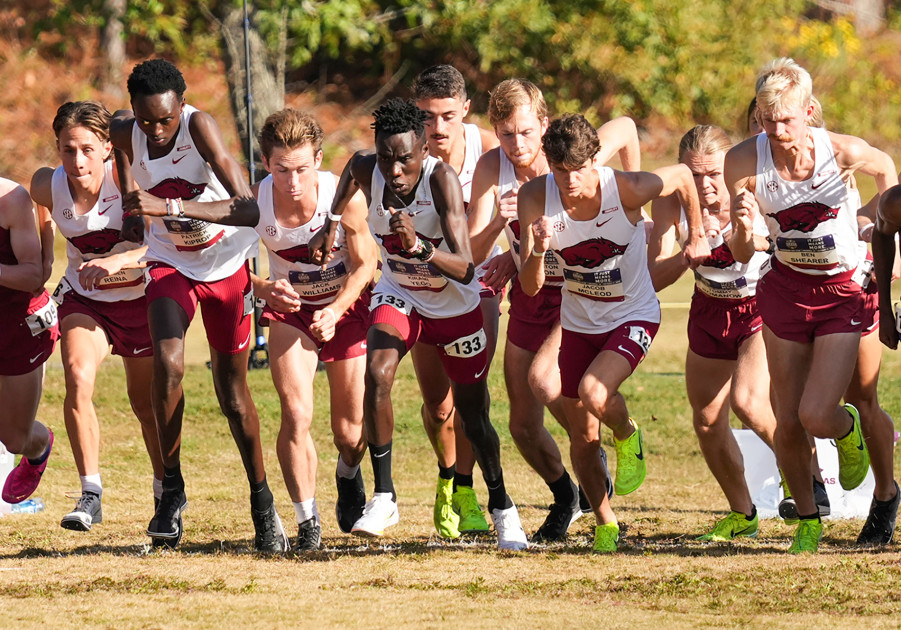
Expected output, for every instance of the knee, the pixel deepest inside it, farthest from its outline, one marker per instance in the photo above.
(15, 443)
(380, 378)
(815, 417)
(437, 413)
(346, 443)
(296, 418)
(79, 381)
(169, 368)
(545, 391)
(595, 396)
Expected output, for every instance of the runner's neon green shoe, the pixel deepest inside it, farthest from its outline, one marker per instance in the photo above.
(606, 537)
(731, 527)
(853, 457)
(807, 536)
(447, 521)
(630, 464)
(472, 519)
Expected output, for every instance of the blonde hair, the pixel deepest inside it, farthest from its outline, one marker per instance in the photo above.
(290, 129)
(511, 94)
(781, 84)
(816, 116)
(704, 140)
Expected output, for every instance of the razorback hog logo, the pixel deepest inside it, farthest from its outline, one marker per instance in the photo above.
(720, 257)
(299, 253)
(394, 246)
(514, 227)
(591, 253)
(99, 242)
(175, 187)
(804, 217)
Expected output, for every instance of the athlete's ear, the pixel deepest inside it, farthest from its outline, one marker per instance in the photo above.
(317, 161)
(265, 162)
(544, 124)
(466, 105)
(107, 149)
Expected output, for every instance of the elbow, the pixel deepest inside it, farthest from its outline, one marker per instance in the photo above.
(247, 212)
(469, 275)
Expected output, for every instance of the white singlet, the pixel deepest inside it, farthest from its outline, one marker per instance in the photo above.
(289, 247)
(721, 276)
(199, 250)
(95, 234)
(431, 293)
(471, 155)
(812, 222)
(604, 260)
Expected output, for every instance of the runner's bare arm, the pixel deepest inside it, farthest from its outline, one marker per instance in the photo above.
(279, 295)
(120, 132)
(856, 155)
(531, 219)
(666, 267)
(888, 224)
(357, 170)
(485, 226)
(620, 136)
(18, 216)
(448, 195)
(741, 177)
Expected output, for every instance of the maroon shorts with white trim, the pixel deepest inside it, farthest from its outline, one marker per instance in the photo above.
(631, 340)
(800, 307)
(717, 327)
(28, 334)
(870, 311)
(460, 340)
(532, 318)
(350, 331)
(125, 323)
(226, 305)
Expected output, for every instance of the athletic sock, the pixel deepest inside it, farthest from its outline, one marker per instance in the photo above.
(562, 489)
(40, 459)
(381, 468)
(157, 488)
(344, 471)
(462, 480)
(446, 473)
(172, 479)
(809, 517)
(306, 510)
(92, 483)
(498, 499)
(260, 496)
(753, 513)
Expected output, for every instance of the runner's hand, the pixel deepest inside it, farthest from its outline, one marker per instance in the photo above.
(323, 326)
(280, 296)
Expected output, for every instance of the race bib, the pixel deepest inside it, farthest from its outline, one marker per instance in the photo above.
(59, 294)
(190, 235)
(124, 278)
(863, 273)
(468, 346)
(386, 299)
(416, 276)
(734, 290)
(640, 336)
(42, 319)
(248, 303)
(603, 286)
(318, 284)
(808, 253)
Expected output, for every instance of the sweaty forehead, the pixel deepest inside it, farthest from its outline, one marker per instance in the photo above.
(156, 106)
(398, 143)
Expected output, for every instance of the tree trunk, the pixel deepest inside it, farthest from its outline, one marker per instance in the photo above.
(111, 41)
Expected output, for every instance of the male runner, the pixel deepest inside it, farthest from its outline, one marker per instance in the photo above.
(590, 217)
(193, 194)
(518, 113)
(810, 300)
(427, 295)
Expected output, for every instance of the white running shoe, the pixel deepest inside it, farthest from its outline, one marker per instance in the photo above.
(510, 534)
(379, 513)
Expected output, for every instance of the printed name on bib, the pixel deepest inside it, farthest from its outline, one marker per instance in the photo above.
(604, 286)
(808, 253)
(468, 346)
(320, 283)
(190, 235)
(123, 278)
(395, 302)
(42, 319)
(733, 290)
(417, 276)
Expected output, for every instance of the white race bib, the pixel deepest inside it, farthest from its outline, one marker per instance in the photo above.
(42, 319)
(468, 346)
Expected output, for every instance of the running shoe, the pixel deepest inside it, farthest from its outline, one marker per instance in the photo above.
(821, 498)
(351, 500)
(309, 536)
(606, 538)
(510, 534)
(788, 510)
(87, 512)
(731, 527)
(166, 527)
(853, 457)
(609, 479)
(807, 536)
(447, 522)
(879, 528)
(559, 519)
(23, 480)
(472, 518)
(270, 536)
(380, 512)
(630, 463)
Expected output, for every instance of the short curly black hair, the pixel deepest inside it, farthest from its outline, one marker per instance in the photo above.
(570, 141)
(156, 76)
(399, 115)
(442, 81)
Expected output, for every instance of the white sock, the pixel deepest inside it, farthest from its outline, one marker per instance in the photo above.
(157, 488)
(306, 510)
(92, 483)
(344, 471)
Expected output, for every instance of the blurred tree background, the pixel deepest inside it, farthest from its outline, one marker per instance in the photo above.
(667, 63)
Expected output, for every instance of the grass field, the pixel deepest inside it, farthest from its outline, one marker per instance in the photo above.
(109, 578)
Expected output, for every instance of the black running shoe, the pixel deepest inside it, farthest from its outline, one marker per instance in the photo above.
(166, 526)
(788, 510)
(821, 498)
(557, 522)
(880, 526)
(309, 536)
(87, 512)
(351, 501)
(609, 478)
(270, 535)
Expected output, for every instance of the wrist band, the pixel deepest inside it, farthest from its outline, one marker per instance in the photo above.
(429, 252)
(862, 232)
(417, 249)
(332, 313)
(181, 207)
(536, 253)
(333, 217)
(168, 207)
